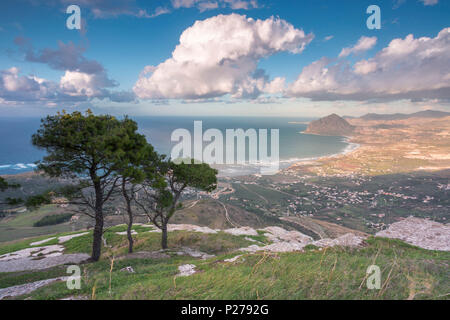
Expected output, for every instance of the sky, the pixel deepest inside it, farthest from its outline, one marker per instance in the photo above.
(224, 57)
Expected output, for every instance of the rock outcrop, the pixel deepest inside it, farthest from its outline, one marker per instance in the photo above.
(422, 233)
(331, 125)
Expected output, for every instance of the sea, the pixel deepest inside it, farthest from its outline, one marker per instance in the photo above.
(18, 155)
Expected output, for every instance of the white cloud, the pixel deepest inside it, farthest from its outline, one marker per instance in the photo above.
(15, 87)
(204, 5)
(363, 44)
(277, 85)
(409, 68)
(430, 2)
(74, 86)
(328, 38)
(75, 83)
(219, 56)
(365, 67)
(158, 12)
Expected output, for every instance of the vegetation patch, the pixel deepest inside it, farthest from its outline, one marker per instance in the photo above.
(333, 273)
(53, 219)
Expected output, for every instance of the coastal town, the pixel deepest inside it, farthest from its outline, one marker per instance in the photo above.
(367, 198)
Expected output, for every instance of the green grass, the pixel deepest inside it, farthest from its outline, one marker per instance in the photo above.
(15, 245)
(334, 273)
(8, 279)
(20, 225)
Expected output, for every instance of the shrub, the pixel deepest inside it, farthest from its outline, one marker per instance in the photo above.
(13, 201)
(38, 200)
(53, 219)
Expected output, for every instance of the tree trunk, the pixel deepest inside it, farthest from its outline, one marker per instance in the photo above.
(98, 229)
(130, 238)
(164, 236)
(130, 215)
(98, 232)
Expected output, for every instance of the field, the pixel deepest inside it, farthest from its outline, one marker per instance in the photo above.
(360, 203)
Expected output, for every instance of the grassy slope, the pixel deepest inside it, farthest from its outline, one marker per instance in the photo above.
(336, 273)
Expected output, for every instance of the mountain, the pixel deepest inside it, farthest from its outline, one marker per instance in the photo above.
(331, 125)
(402, 116)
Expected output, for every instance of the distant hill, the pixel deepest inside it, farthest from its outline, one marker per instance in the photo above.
(402, 116)
(331, 125)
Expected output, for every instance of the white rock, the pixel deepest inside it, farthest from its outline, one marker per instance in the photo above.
(189, 227)
(49, 261)
(124, 233)
(37, 243)
(253, 248)
(233, 259)
(69, 237)
(128, 269)
(276, 234)
(285, 246)
(346, 240)
(280, 246)
(27, 288)
(423, 233)
(186, 270)
(53, 250)
(246, 231)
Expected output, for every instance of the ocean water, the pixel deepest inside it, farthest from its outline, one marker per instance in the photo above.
(18, 155)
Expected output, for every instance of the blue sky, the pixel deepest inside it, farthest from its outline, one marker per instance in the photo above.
(120, 38)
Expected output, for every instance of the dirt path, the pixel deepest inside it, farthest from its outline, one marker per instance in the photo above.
(227, 216)
(193, 204)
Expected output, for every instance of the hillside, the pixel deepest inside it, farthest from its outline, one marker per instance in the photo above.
(431, 114)
(209, 264)
(331, 125)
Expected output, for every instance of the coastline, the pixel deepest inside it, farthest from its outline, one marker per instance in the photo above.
(284, 164)
(237, 170)
(350, 148)
(405, 146)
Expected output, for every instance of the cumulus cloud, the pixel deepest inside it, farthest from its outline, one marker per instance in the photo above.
(408, 68)
(365, 67)
(83, 79)
(15, 87)
(363, 44)
(73, 86)
(219, 56)
(75, 83)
